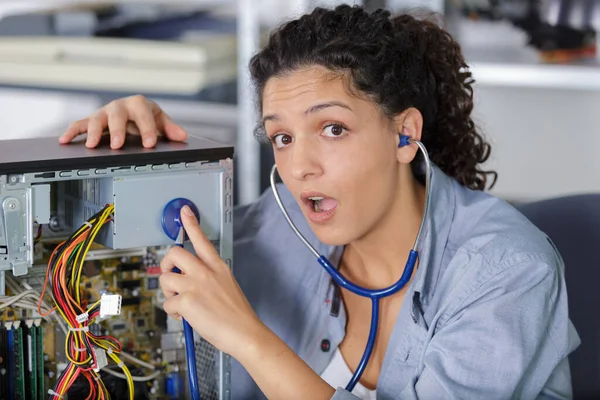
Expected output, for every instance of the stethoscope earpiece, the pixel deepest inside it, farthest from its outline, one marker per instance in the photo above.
(404, 141)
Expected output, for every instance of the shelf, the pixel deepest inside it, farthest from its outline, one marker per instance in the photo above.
(121, 66)
(15, 7)
(521, 68)
(498, 54)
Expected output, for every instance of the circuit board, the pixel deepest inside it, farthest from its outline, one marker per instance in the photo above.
(32, 350)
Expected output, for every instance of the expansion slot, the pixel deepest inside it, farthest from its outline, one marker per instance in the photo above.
(31, 361)
(39, 334)
(4, 363)
(11, 361)
(17, 365)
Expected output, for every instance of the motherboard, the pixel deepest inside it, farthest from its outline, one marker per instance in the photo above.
(32, 339)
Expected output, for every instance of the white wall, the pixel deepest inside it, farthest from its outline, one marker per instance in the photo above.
(26, 114)
(546, 142)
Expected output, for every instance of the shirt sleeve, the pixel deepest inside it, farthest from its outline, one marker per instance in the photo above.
(509, 338)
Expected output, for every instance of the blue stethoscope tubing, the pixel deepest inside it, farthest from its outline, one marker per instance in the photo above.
(374, 294)
(190, 347)
(173, 228)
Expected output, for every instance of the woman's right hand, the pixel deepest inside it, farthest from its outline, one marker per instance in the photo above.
(134, 115)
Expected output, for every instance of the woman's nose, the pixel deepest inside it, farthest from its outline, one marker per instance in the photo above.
(305, 160)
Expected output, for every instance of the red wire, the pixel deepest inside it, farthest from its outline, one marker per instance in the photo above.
(92, 393)
(66, 301)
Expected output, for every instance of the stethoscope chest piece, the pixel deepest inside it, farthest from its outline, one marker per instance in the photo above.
(171, 221)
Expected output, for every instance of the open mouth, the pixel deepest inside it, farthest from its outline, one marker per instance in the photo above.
(320, 204)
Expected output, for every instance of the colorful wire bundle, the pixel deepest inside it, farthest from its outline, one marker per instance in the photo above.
(81, 346)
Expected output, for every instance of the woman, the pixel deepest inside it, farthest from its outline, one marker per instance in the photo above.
(485, 313)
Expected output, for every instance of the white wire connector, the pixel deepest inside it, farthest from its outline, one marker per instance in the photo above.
(81, 318)
(82, 329)
(110, 304)
(101, 360)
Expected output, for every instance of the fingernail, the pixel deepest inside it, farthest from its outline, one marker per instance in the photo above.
(187, 211)
(148, 142)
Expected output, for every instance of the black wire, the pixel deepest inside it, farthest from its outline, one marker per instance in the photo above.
(58, 381)
(59, 293)
(74, 263)
(92, 221)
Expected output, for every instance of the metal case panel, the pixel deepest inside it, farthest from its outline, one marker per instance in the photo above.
(41, 203)
(139, 202)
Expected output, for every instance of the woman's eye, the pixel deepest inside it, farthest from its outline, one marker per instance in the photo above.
(334, 130)
(281, 140)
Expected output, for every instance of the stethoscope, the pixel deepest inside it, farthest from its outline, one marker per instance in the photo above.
(374, 294)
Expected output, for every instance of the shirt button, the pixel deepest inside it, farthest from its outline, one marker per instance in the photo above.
(325, 345)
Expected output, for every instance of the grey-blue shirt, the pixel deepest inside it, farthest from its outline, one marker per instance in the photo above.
(484, 317)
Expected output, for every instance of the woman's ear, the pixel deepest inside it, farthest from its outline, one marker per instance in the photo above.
(409, 123)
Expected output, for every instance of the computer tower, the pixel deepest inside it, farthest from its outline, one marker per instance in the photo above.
(48, 193)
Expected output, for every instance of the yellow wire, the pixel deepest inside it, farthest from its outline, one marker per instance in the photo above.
(97, 223)
(103, 389)
(96, 228)
(75, 286)
(126, 372)
(79, 231)
(71, 370)
(77, 343)
(75, 269)
(96, 377)
(101, 344)
(94, 305)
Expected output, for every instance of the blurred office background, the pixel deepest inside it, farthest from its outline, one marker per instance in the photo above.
(537, 86)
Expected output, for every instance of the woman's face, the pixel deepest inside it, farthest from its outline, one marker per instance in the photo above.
(335, 152)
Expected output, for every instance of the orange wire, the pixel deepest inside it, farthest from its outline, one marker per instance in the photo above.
(73, 378)
(62, 264)
(45, 286)
(65, 257)
(78, 240)
(67, 383)
(92, 386)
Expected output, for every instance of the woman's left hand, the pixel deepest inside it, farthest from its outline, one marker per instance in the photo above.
(206, 293)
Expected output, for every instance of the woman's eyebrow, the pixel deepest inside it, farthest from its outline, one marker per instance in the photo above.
(270, 117)
(312, 109)
(322, 106)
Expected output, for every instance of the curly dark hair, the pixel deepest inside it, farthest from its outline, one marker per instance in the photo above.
(398, 62)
